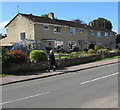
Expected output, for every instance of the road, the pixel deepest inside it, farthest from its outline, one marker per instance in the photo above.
(90, 88)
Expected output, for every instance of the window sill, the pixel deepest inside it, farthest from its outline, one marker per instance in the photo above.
(57, 33)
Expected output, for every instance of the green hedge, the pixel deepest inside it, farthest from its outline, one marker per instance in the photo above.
(38, 55)
(103, 51)
(91, 51)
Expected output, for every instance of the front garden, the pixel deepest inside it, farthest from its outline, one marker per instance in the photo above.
(17, 61)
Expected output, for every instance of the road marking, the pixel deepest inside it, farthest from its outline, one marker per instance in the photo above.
(98, 78)
(24, 98)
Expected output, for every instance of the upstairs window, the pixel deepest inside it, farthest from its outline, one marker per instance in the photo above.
(46, 27)
(93, 33)
(73, 31)
(106, 34)
(22, 36)
(111, 34)
(57, 29)
(98, 34)
(81, 30)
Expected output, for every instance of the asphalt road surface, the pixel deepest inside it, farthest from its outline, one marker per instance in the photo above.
(90, 88)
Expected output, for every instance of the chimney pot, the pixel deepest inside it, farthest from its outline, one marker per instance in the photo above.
(51, 15)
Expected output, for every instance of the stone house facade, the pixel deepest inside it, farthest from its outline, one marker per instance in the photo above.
(56, 33)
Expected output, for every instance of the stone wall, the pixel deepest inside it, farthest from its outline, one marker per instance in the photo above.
(29, 67)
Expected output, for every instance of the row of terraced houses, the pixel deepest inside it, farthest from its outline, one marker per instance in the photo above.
(53, 33)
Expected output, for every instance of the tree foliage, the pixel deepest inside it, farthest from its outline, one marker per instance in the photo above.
(117, 38)
(118, 41)
(44, 15)
(102, 23)
(78, 21)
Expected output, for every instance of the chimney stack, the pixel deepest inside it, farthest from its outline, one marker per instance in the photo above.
(51, 15)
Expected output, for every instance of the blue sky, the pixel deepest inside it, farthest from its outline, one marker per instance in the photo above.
(86, 11)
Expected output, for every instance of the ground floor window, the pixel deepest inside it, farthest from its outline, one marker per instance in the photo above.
(58, 44)
(72, 44)
(22, 36)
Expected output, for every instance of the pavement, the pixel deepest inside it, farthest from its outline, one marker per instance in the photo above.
(42, 74)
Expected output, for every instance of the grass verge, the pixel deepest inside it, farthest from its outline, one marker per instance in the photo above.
(115, 57)
(4, 75)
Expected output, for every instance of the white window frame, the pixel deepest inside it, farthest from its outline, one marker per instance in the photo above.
(56, 31)
(73, 32)
(106, 34)
(98, 34)
(44, 27)
(92, 33)
(111, 34)
(21, 36)
(81, 30)
(71, 42)
(59, 43)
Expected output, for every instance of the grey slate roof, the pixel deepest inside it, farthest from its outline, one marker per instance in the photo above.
(58, 22)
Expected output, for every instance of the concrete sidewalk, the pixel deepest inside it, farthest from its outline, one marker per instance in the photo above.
(36, 75)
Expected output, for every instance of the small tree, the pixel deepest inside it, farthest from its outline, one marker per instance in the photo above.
(38, 55)
(78, 21)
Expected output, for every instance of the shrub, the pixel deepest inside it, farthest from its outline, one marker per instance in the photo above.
(18, 57)
(103, 51)
(91, 51)
(38, 55)
(76, 49)
(74, 54)
(97, 47)
(115, 51)
(6, 57)
(48, 49)
(60, 54)
(61, 50)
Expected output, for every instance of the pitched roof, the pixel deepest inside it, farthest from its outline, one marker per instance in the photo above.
(52, 21)
(58, 22)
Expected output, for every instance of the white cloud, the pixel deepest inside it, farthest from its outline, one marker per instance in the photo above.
(3, 24)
